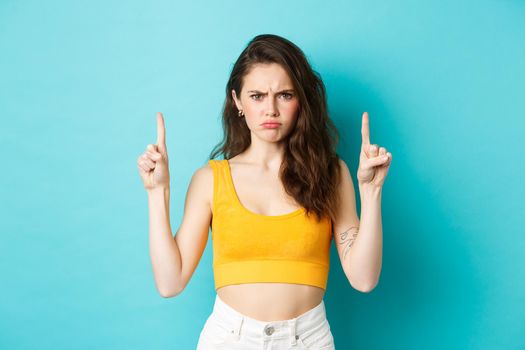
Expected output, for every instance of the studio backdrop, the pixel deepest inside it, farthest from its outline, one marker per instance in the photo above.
(81, 82)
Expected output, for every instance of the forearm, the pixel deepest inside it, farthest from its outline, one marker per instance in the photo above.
(164, 252)
(366, 254)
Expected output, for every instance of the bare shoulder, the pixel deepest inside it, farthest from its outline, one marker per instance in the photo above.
(344, 167)
(204, 171)
(202, 181)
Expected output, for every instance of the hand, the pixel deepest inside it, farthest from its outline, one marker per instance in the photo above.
(374, 161)
(153, 163)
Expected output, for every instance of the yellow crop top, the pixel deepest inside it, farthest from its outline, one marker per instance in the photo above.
(250, 247)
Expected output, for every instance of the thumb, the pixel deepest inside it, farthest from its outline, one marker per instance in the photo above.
(161, 133)
(376, 161)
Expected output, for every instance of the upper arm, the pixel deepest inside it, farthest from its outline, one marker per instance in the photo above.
(192, 235)
(346, 224)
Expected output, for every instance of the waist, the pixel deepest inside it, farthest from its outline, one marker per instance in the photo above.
(271, 301)
(253, 327)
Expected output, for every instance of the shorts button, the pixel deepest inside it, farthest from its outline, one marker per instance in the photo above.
(269, 330)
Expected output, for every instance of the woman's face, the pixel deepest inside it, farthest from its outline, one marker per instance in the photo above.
(268, 95)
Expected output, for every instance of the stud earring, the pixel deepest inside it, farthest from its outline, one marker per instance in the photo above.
(240, 113)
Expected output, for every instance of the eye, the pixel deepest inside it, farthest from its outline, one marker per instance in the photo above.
(252, 96)
(287, 96)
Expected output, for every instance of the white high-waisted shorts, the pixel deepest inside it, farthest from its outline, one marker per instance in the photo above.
(226, 328)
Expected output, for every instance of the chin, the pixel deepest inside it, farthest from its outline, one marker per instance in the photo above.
(276, 137)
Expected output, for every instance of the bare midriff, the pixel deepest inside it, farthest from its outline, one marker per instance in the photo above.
(271, 301)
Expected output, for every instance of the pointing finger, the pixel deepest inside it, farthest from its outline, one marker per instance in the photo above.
(365, 130)
(161, 131)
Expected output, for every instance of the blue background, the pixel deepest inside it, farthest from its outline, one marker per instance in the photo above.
(80, 83)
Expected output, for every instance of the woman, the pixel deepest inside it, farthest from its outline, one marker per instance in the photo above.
(278, 198)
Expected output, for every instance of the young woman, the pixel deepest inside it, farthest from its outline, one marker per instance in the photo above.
(274, 203)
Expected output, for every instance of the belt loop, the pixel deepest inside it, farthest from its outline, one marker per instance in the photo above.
(237, 329)
(293, 324)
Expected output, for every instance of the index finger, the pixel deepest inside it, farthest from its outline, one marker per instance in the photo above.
(161, 130)
(365, 129)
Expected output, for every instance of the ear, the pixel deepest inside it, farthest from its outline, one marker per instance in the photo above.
(236, 100)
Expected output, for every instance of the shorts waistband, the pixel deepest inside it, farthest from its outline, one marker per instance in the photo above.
(305, 323)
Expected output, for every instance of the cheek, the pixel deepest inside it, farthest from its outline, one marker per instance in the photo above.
(292, 110)
(292, 107)
(253, 109)
(250, 117)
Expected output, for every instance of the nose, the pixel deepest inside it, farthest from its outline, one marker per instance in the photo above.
(271, 108)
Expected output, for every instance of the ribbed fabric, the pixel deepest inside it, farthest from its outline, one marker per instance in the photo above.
(250, 247)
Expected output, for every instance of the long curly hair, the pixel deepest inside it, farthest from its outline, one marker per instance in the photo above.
(310, 170)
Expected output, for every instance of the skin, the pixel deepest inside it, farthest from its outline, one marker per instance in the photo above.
(267, 94)
(175, 260)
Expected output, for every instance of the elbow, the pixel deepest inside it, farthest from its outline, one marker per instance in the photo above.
(170, 293)
(363, 287)
(171, 288)
(366, 289)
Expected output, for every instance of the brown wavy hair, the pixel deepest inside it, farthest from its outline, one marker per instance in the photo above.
(310, 170)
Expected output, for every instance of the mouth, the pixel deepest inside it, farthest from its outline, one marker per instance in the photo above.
(271, 125)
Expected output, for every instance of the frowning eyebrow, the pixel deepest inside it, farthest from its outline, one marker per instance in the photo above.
(263, 93)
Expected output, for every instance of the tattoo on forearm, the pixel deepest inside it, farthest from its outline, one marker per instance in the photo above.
(347, 239)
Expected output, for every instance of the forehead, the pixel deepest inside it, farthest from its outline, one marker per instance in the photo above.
(264, 76)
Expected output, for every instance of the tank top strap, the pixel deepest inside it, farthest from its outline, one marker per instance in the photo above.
(222, 192)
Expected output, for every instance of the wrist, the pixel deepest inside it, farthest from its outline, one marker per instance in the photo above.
(158, 191)
(370, 191)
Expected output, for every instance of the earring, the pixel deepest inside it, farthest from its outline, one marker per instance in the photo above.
(240, 113)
